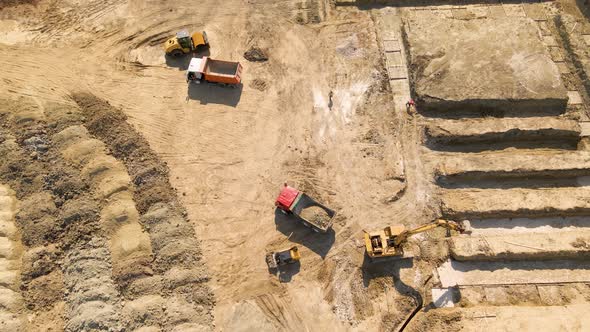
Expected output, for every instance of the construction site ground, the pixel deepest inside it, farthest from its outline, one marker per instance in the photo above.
(133, 201)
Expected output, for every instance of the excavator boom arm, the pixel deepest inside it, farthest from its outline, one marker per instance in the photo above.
(448, 224)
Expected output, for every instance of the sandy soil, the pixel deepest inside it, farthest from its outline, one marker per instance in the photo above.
(227, 150)
(145, 203)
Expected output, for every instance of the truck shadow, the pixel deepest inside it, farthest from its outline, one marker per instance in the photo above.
(285, 273)
(319, 243)
(182, 62)
(209, 93)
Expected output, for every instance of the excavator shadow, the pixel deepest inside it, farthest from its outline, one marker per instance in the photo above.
(211, 93)
(320, 243)
(384, 268)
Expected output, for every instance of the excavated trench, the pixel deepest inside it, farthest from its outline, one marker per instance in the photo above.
(486, 134)
(510, 166)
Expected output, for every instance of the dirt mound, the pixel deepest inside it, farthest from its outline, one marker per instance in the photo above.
(255, 54)
(92, 299)
(147, 171)
(177, 267)
(436, 320)
(12, 3)
(37, 219)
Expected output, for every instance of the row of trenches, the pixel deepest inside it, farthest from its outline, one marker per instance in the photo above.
(513, 163)
(523, 185)
(92, 235)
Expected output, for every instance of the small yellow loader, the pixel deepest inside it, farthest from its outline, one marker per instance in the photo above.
(284, 257)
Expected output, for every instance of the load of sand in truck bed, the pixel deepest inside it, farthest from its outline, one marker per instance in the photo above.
(316, 215)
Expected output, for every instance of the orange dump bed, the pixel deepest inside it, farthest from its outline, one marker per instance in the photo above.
(219, 71)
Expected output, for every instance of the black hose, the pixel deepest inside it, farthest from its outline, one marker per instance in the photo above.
(420, 304)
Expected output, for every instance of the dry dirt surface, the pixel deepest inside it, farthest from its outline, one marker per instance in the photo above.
(131, 201)
(145, 203)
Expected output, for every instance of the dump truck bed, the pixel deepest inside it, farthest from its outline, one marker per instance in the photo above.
(218, 67)
(215, 71)
(222, 71)
(317, 221)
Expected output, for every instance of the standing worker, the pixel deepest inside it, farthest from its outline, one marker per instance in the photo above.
(330, 102)
(409, 105)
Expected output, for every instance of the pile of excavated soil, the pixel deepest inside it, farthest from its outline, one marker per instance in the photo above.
(149, 174)
(177, 265)
(80, 269)
(256, 54)
(436, 320)
(315, 215)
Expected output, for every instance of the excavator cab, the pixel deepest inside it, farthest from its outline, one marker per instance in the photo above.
(382, 243)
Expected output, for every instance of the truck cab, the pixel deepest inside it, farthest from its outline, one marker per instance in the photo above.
(286, 198)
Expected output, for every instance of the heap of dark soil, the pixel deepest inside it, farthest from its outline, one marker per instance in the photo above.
(174, 242)
(148, 173)
(255, 54)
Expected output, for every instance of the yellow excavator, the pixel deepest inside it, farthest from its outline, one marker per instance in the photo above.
(389, 242)
(183, 43)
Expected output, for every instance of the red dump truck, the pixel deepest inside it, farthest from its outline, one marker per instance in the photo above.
(311, 213)
(209, 70)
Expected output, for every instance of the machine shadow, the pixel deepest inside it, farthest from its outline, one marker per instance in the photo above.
(210, 93)
(319, 243)
(390, 267)
(179, 62)
(286, 272)
(182, 62)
